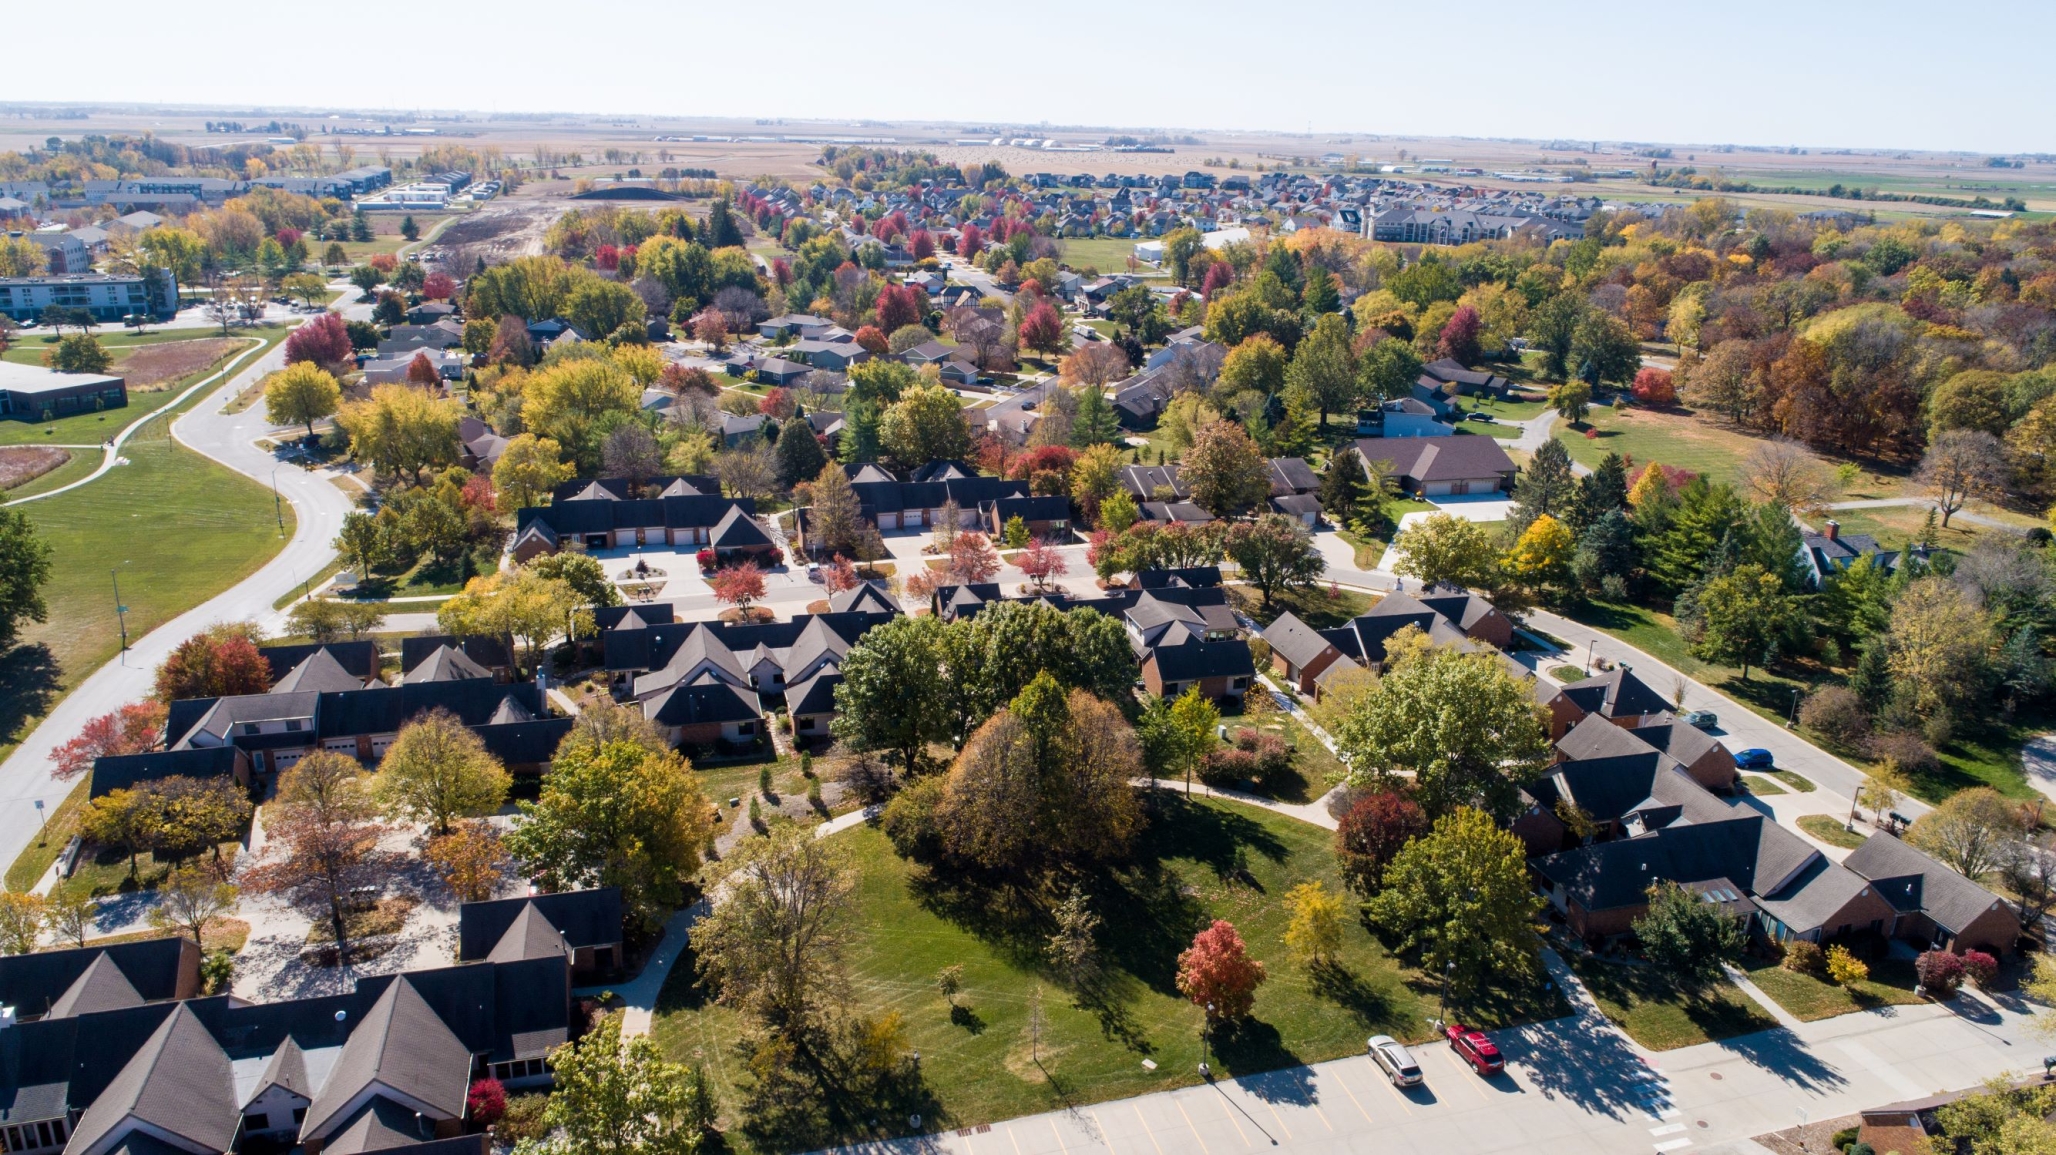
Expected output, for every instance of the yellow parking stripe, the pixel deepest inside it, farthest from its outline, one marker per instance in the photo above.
(1195, 1128)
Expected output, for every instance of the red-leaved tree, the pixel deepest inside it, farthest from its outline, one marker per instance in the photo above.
(1460, 336)
(421, 372)
(923, 244)
(438, 287)
(741, 586)
(485, 1102)
(1371, 832)
(872, 341)
(208, 666)
(898, 306)
(133, 729)
(1217, 973)
(969, 241)
(972, 559)
(1219, 275)
(777, 403)
(840, 575)
(710, 326)
(1042, 330)
(1939, 971)
(1653, 386)
(325, 340)
(385, 263)
(1041, 561)
(1043, 459)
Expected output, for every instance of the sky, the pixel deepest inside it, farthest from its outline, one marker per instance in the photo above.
(1811, 73)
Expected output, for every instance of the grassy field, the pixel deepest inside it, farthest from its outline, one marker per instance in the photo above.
(385, 234)
(1662, 1015)
(1318, 608)
(1890, 984)
(1201, 860)
(1761, 786)
(177, 528)
(1688, 441)
(93, 428)
(1656, 634)
(1896, 525)
(1107, 254)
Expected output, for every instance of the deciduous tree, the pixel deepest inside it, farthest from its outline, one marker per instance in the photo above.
(1961, 464)
(774, 945)
(1970, 831)
(1218, 975)
(529, 468)
(519, 606)
(1467, 732)
(132, 729)
(24, 568)
(213, 664)
(189, 898)
(438, 771)
(323, 342)
(1225, 470)
(471, 859)
(1276, 554)
(740, 586)
(926, 424)
(1446, 548)
(1687, 937)
(1460, 895)
(322, 842)
(616, 1096)
(1369, 835)
(301, 394)
(401, 429)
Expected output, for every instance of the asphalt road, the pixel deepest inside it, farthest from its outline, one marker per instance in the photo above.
(319, 506)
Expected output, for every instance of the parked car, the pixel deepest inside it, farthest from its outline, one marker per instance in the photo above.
(1754, 758)
(1396, 1061)
(1477, 417)
(1474, 1048)
(1704, 719)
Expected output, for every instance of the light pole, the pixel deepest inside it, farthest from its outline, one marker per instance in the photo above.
(1448, 969)
(278, 506)
(1792, 720)
(120, 611)
(1206, 1029)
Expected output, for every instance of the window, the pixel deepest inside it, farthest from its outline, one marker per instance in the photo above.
(251, 728)
(293, 725)
(746, 727)
(257, 1121)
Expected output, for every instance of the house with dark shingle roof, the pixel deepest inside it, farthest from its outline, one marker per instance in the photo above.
(597, 515)
(585, 925)
(81, 979)
(1934, 907)
(1832, 551)
(1617, 695)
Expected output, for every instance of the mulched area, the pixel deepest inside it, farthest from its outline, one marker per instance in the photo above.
(149, 366)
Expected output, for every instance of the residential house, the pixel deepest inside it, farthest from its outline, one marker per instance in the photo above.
(685, 514)
(1448, 616)
(1406, 417)
(1046, 517)
(481, 447)
(1443, 466)
(795, 326)
(88, 979)
(833, 355)
(1832, 551)
(1616, 695)
(890, 504)
(1688, 749)
(1934, 907)
(584, 924)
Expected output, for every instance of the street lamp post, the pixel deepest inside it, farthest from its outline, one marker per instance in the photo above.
(1448, 969)
(1206, 1029)
(1792, 719)
(278, 506)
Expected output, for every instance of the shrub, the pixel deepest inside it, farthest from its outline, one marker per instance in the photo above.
(1939, 972)
(1908, 749)
(1843, 1138)
(486, 1102)
(523, 1118)
(1845, 968)
(707, 561)
(1255, 757)
(218, 969)
(774, 557)
(909, 820)
(1980, 968)
(868, 778)
(1805, 958)
(1838, 714)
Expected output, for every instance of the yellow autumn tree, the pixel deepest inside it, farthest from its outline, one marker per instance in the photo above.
(1541, 559)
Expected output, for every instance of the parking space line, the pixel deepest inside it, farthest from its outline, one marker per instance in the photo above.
(1223, 1101)
(1137, 1108)
(1061, 1145)
(1403, 1104)
(1014, 1139)
(1103, 1136)
(1344, 1084)
(1189, 1123)
(1274, 1113)
(1465, 1075)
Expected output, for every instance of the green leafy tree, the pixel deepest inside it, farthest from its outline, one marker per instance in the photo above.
(774, 946)
(1324, 365)
(616, 1096)
(301, 394)
(892, 695)
(80, 353)
(1604, 351)
(798, 453)
(1225, 470)
(438, 771)
(1095, 422)
(1687, 937)
(926, 424)
(1460, 895)
(24, 570)
(1742, 617)
(1006, 646)
(1467, 732)
(1388, 370)
(520, 606)
(1571, 400)
(1276, 554)
(528, 469)
(1176, 733)
(1340, 482)
(1180, 246)
(1444, 548)
(616, 813)
(1546, 486)
(1703, 517)
(1552, 329)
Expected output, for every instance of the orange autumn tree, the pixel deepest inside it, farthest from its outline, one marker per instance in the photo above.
(1217, 973)
(133, 729)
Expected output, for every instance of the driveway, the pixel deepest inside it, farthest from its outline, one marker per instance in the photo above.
(1469, 507)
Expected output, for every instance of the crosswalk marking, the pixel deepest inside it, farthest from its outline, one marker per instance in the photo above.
(1667, 1129)
(1673, 1144)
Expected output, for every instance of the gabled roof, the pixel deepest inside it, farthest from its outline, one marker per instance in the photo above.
(179, 1084)
(738, 530)
(101, 988)
(318, 671)
(1618, 693)
(444, 664)
(530, 936)
(577, 918)
(1224, 659)
(1291, 475)
(863, 596)
(126, 771)
(1426, 459)
(707, 699)
(1910, 880)
(401, 1045)
(287, 1068)
(381, 1124)
(815, 695)
(32, 983)
(1295, 641)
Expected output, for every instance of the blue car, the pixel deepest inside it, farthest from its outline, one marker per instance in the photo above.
(1754, 758)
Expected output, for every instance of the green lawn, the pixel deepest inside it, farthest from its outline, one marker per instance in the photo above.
(1660, 1014)
(93, 428)
(1759, 785)
(1656, 634)
(1830, 830)
(1319, 608)
(1697, 442)
(1508, 411)
(385, 235)
(28, 867)
(1794, 780)
(83, 462)
(1896, 526)
(1890, 983)
(177, 528)
(1201, 860)
(1107, 254)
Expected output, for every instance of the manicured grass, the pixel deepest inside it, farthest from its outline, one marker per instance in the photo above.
(385, 235)
(1695, 441)
(1830, 830)
(1368, 549)
(425, 577)
(1568, 674)
(28, 867)
(1662, 1015)
(1320, 608)
(1795, 780)
(1203, 859)
(93, 428)
(1656, 633)
(229, 934)
(1505, 410)
(106, 872)
(1894, 526)
(1107, 254)
(1808, 998)
(1760, 785)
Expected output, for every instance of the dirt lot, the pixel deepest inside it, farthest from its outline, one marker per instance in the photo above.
(153, 367)
(20, 464)
(503, 229)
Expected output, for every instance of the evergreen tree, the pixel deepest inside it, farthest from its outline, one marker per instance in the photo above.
(1339, 484)
(1599, 492)
(1095, 422)
(1770, 538)
(360, 228)
(859, 442)
(1546, 486)
(722, 231)
(1705, 514)
(799, 455)
(1606, 549)
(1872, 677)
(1284, 264)
(1321, 295)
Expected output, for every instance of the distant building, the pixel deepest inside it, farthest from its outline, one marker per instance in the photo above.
(108, 297)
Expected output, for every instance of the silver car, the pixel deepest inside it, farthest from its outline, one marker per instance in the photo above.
(1396, 1060)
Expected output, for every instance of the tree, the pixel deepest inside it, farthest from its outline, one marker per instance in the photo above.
(189, 898)
(798, 453)
(471, 859)
(1785, 474)
(1961, 464)
(1603, 491)
(1073, 948)
(739, 586)
(1687, 937)
(1938, 647)
(301, 394)
(1467, 731)
(1324, 366)
(322, 842)
(1446, 548)
(1225, 470)
(366, 278)
(132, 729)
(995, 655)
(1606, 549)
(323, 342)
(24, 568)
(213, 664)
(926, 424)
(1571, 400)
(437, 771)
(1654, 387)
(1176, 733)
(835, 522)
(21, 919)
(1742, 617)
(1370, 834)
(1315, 931)
(79, 353)
(1042, 329)
(529, 468)
(22, 257)
(1459, 340)
(774, 946)
(891, 696)
(1541, 558)
(187, 815)
(601, 307)
(616, 1096)
(630, 452)
(402, 429)
(1218, 975)
(1044, 781)
(1042, 562)
(1970, 831)
(1276, 554)
(521, 606)
(1460, 896)
(1096, 364)
(616, 813)
(70, 914)
(1388, 370)
(566, 402)
(1546, 486)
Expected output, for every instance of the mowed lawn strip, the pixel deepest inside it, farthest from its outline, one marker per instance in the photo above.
(1217, 859)
(1662, 1015)
(1808, 998)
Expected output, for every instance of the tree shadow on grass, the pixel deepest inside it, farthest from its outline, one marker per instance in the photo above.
(820, 1094)
(1254, 1052)
(29, 682)
(963, 1016)
(1109, 998)
(1369, 1005)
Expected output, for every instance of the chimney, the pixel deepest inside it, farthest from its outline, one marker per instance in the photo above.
(1834, 529)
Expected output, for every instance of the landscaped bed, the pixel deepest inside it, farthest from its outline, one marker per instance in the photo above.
(20, 464)
(1201, 859)
(1830, 830)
